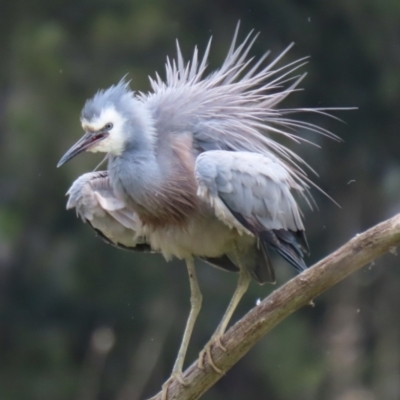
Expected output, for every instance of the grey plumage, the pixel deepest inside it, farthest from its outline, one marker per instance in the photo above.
(95, 203)
(252, 191)
(193, 169)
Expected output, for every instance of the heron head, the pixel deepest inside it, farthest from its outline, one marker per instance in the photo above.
(104, 120)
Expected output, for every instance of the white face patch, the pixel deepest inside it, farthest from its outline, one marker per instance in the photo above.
(115, 141)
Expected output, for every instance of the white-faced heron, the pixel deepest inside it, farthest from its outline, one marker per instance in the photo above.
(193, 171)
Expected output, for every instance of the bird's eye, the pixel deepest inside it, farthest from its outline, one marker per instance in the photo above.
(108, 126)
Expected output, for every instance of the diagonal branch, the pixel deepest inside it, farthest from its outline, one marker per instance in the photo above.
(300, 291)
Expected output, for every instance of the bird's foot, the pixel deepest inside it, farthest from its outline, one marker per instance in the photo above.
(217, 339)
(176, 376)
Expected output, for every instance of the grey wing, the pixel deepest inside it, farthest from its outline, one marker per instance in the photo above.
(252, 193)
(95, 202)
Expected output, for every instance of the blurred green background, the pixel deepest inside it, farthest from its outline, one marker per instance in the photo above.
(82, 320)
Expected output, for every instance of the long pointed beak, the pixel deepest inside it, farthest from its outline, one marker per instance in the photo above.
(86, 141)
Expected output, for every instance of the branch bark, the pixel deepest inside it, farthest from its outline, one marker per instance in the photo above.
(300, 291)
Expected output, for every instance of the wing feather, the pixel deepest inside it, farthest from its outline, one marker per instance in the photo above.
(253, 193)
(95, 202)
(256, 186)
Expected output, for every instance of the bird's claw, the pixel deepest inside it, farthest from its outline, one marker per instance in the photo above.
(207, 352)
(175, 376)
(218, 340)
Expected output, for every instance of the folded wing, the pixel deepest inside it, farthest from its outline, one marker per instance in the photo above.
(253, 193)
(95, 202)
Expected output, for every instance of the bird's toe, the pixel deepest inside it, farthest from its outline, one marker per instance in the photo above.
(206, 352)
(177, 376)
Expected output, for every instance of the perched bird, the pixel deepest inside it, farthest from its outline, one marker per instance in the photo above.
(194, 172)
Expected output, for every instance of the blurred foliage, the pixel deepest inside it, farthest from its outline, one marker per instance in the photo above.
(81, 320)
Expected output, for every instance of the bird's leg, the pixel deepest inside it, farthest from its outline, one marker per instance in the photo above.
(241, 288)
(195, 302)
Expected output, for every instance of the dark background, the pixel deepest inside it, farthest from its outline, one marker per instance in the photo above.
(82, 320)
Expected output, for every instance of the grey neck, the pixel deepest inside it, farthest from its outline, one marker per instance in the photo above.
(136, 171)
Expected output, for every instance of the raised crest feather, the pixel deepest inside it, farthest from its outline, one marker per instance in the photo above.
(237, 107)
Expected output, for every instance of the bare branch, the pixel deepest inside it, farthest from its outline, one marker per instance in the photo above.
(300, 291)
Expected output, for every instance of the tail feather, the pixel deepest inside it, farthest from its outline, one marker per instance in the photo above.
(263, 270)
(263, 273)
(257, 262)
(286, 244)
(223, 262)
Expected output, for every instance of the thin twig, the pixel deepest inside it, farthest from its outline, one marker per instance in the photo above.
(300, 291)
